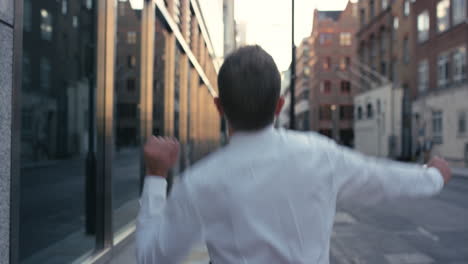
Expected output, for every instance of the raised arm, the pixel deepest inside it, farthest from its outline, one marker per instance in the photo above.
(367, 180)
(166, 230)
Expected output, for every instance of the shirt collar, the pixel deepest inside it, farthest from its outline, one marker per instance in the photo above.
(244, 136)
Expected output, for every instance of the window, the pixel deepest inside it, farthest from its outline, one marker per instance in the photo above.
(127, 121)
(423, 76)
(325, 38)
(345, 63)
(406, 8)
(384, 4)
(131, 61)
(443, 11)
(27, 17)
(345, 39)
(362, 16)
(383, 41)
(437, 127)
(131, 84)
(423, 26)
(325, 87)
(394, 72)
(88, 4)
(396, 23)
(122, 6)
(443, 68)
(458, 11)
(131, 37)
(327, 63)
(406, 50)
(383, 68)
(370, 111)
(64, 7)
(372, 9)
(462, 123)
(325, 112)
(459, 64)
(75, 21)
(346, 112)
(44, 69)
(345, 87)
(46, 25)
(58, 76)
(359, 113)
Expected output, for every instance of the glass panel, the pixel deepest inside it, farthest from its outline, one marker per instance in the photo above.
(158, 82)
(57, 134)
(126, 159)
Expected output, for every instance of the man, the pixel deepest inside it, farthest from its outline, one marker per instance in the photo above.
(270, 195)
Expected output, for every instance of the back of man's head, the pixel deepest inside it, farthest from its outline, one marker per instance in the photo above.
(249, 88)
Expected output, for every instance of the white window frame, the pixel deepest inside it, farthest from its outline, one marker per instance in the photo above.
(458, 11)
(406, 8)
(443, 15)
(423, 26)
(459, 64)
(423, 75)
(443, 69)
(345, 39)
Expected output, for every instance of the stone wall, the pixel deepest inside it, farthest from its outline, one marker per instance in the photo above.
(6, 83)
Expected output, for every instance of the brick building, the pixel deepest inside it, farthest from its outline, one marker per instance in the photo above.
(440, 88)
(323, 88)
(383, 107)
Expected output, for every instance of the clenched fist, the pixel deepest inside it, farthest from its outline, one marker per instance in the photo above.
(442, 166)
(160, 155)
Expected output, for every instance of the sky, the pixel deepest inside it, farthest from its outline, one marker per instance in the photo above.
(269, 23)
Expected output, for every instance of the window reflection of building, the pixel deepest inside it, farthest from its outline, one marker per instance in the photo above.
(57, 77)
(126, 150)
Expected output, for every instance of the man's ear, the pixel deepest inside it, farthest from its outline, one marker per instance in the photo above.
(219, 106)
(279, 105)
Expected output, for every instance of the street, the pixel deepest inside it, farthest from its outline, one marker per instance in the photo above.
(419, 231)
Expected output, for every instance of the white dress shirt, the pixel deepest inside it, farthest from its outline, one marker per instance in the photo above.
(268, 197)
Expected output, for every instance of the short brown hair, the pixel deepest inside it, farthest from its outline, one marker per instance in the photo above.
(249, 88)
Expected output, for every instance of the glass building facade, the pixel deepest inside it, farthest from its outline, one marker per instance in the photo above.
(94, 79)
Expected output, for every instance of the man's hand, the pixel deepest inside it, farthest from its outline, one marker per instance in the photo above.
(442, 166)
(160, 155)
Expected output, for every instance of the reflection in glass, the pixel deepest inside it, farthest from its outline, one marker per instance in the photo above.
(158, 82)
(126, 159)
(56, 109)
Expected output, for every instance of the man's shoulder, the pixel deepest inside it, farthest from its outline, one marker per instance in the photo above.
(205, 168)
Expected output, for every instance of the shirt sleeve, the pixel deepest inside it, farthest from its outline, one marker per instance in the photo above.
(166, 229)
(369, 180)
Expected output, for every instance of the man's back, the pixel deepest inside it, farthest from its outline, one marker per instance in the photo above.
(266, 198)
(270, 196)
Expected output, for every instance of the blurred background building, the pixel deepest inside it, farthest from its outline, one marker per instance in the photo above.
(439, 86)
(323, 85)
